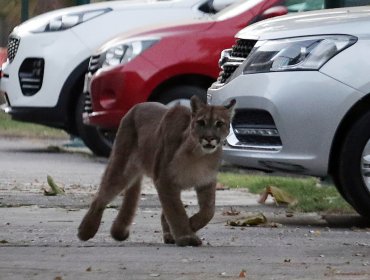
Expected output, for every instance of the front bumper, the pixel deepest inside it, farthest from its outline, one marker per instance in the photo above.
(307, 108)
(53, 117)
(113, 92)
(45, 50)
(106, 119)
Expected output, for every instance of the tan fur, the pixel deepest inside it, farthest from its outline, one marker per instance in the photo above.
(179, 149)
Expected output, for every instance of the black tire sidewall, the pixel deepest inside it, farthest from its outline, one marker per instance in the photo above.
(182, 92)
(349, 166)
(92, 137)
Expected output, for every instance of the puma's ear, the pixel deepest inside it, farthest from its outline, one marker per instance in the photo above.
(196, 104)
(230, 107)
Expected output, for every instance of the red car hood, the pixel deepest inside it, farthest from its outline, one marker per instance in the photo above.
(159, 31)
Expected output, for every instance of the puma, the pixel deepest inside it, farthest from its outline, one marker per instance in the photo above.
(178, 148)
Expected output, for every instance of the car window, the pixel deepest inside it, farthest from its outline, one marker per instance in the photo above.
(237, 9)
(346, 3)
(311, 5)
(304, 5)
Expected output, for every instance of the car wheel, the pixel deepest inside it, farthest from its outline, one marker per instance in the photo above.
(352, 172)
(180, 95)
(98, 140)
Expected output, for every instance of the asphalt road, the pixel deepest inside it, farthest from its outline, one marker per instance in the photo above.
(38, 233)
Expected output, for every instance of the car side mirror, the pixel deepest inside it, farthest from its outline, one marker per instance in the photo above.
(274, 12)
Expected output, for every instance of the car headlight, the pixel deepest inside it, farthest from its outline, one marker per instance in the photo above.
(126, 51)
(67, 21)
(302, 53)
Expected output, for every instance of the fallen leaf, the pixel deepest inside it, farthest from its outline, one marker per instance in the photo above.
(88, 269)
(243, 274)
(221, 187)
(315, 232)
(251, 220)
(279, 195)
(275, 225)
(55, 189)
(3, 241)
(289, 214)
(231, 212)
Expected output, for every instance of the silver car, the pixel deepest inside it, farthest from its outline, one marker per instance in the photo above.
(302, 85)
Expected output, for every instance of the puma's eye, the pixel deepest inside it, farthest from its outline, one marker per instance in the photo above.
(201, 123)
(219, 124)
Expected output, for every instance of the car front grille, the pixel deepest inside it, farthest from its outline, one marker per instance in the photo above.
(12, 48)
(232, 58)
(88, 105)
(255, 128)
(31, 73)
(242, 48)
(96, 62)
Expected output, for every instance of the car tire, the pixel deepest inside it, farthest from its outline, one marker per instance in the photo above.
(352, 171)
(99, 141)
(181, 95)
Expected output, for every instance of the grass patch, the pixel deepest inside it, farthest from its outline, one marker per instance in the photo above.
(11, 128)
(311, 195)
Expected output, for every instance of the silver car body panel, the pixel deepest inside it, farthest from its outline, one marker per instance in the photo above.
(306, 106)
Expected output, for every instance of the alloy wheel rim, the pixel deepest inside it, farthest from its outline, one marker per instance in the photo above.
(365, 165)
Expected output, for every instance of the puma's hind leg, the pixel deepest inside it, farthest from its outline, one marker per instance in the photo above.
(120, 230)
(115, 179)
(91, 221)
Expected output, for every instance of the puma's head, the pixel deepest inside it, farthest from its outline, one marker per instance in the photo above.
(210, 124)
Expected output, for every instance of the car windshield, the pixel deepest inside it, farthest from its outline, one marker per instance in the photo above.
(292, 6)
(236, 9)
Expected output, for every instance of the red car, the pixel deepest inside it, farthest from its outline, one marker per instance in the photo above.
(3, 57)
(166, 65)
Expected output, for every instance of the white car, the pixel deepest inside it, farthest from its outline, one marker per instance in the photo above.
(302, 87)
(48, 57)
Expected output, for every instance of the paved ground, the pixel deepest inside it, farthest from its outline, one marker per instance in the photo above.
(38, 233)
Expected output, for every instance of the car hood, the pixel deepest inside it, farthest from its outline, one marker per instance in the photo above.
(160, 31)
(352, 21)
(30, 24)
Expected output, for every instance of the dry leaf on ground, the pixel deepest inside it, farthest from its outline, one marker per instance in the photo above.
(243, 274)
(280, 196)
(231, 212)
(221, 187)
(55, 189)
(250, 220)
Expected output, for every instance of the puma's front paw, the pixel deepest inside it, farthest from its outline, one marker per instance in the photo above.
(188, 240)
(168, 238)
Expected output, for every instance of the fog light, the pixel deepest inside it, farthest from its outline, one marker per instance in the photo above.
(257, 131)
(30, 75)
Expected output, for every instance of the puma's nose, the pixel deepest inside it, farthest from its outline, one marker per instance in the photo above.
(209, 138)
